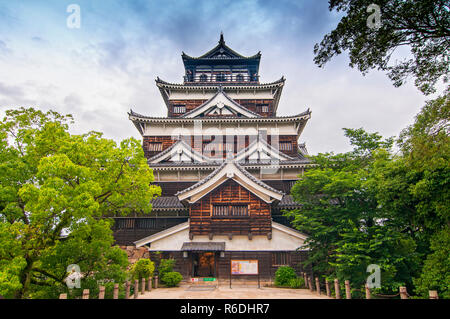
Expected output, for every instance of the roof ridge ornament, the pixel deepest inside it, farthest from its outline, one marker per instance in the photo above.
(221, 41)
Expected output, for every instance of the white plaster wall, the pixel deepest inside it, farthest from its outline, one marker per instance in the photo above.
(161, 129)
(280, 241)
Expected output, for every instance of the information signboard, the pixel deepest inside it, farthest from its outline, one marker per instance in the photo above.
(244, 267)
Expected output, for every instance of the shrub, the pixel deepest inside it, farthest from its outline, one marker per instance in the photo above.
(296, 283)
(165, 266)
(172, 278)
(283, 275)
(143, 268)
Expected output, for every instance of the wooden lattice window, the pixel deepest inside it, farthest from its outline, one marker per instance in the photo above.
(179, 109)
(263, 108)
(154, 147)
(230, 210)
(285, 146)
(281, 259)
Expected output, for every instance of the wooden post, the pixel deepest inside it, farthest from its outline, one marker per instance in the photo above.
(116, 291)
(336, 289)
(311, 288)
(63, 296)
(156, 282)
(85, 294)
(327, 287)
(403, 293)
(127, 289)
(433, 294)
(142, 285)
(101, 292)
(348, 294)
(368, 292)
(149, 283)
(136, 288)
(306, 280)
(317, 286)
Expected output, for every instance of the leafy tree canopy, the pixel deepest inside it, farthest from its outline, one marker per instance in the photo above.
(54, 189)
(423, 26)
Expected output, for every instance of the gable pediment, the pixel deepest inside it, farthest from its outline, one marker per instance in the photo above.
(260, 150)
(179, 152)
(221, 105)
(229, 171)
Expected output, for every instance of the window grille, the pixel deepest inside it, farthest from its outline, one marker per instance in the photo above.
(179, 109)
(285, 146)
(230, 210)
(155, 147)
(263, 108)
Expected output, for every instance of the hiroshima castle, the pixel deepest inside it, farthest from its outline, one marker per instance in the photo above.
(225, 163)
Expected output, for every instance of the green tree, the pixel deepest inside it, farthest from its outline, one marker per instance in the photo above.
(436, 271)
(347, 228)
(423, 26)
(143, 268)
(55, 188)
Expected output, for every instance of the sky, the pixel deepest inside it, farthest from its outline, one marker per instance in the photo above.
(97, 72)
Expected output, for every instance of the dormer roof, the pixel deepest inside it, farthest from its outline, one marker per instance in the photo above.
(230, 170)
(180, 151)
(220, 105)
(221, 52)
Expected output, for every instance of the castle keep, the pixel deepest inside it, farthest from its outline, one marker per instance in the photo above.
(225, 163)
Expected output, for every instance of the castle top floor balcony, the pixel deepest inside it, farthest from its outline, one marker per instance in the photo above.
(221, 78)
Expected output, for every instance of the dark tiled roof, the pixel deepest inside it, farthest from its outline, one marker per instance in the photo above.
(257, 181)
(288, 201)
(203, 181)
(167, 202)
(215, 163)
(249, 85)
(224, 119)
(203, 246)
(222, 48)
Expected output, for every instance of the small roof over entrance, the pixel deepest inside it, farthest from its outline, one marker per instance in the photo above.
(203, 246)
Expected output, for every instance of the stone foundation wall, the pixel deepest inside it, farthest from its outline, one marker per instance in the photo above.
(134, 254)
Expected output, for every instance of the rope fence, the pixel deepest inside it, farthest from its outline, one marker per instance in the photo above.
(403, 293)
(139, 287)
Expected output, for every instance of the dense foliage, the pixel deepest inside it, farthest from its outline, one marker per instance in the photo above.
(284, 275)
(143, 268)
(165, 266)
(54, 189)
(171, 278)
(374, 206)
(422, 26)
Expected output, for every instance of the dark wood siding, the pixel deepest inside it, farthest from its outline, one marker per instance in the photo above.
(257, 223)
(127, 236)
